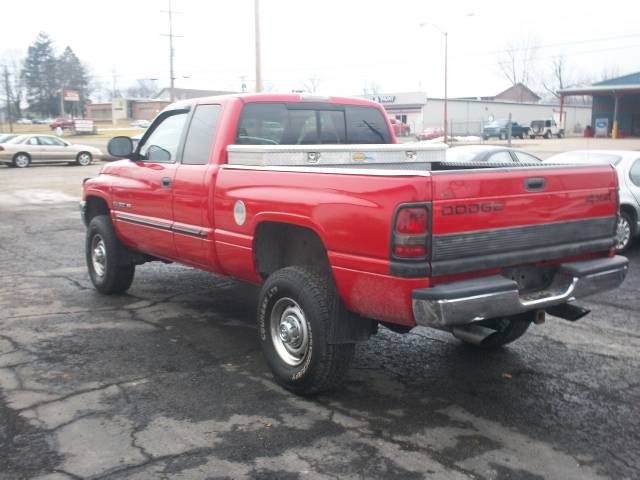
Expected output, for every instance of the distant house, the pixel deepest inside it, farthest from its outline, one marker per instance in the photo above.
(187, 93)
(122, 108)
(518, 93)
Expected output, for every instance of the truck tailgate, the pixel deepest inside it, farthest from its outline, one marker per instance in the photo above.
(490, 218)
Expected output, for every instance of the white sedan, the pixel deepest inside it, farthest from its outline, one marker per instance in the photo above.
(23, 150)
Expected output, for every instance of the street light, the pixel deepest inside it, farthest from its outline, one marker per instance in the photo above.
(446, 37)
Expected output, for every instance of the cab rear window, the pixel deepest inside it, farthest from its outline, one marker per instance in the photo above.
(309, 124)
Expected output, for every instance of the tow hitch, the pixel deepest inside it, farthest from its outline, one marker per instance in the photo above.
(568, 311)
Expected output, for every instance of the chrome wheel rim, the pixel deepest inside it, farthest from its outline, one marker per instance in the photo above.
(84, 159)
(98, 256)
(22, 161)
(623, 233)
(289, 331)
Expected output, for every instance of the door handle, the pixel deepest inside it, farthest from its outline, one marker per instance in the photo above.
(166, 182)
(533, 184)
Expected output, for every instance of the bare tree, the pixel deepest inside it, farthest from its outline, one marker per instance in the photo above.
(609, 72)
(371, 88)
(143, 88)
(517, 61)
(558, 79)
(311, 85)
(15, 91)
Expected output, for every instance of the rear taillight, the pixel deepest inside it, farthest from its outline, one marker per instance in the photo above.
(410, 232)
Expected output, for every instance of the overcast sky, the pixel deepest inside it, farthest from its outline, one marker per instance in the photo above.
(346, 44)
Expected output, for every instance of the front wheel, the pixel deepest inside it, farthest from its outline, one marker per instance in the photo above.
(297, 311)
(84, 158)
(110, 268)
(21, 160)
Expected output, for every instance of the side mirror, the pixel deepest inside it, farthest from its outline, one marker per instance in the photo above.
(120, 147)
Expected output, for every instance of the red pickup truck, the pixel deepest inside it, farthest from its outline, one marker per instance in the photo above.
(346, 230)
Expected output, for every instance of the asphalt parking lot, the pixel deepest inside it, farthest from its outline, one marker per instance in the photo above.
(168, 381)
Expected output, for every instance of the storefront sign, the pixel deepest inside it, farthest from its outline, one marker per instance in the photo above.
(71, 95)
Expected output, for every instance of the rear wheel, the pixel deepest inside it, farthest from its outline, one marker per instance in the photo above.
(505, 330)
(21, 160)
(297, 310)
(84, 158)
(110, 268)
(624, 232)
(547, 134)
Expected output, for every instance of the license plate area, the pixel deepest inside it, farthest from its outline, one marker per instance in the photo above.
(529, 278)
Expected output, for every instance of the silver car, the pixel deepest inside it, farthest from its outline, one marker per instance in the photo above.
(627, 165)
(23, 150)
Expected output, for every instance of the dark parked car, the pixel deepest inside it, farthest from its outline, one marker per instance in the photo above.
(499, 129)
(489, 154)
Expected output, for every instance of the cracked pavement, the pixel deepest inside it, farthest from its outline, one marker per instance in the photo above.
(168, 381)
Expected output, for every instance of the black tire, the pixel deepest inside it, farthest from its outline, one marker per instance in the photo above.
(547, 134)
(320, 366)
(21, 160)
(484, 137)
(507, 330)
(532, 137)
(84, 159)
(117, 270)
(625, 232)
(503, 136)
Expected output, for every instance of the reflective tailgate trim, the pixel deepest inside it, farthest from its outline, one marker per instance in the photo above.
(469, 251)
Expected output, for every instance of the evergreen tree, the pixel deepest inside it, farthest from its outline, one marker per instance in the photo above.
(72, 75)
(40, 76)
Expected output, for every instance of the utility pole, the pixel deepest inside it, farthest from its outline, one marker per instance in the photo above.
(257, 34)
(61, 101)
(7, 90)
(446, 100)
(172, 76)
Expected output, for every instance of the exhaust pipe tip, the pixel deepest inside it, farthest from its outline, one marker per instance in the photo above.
(540, 317)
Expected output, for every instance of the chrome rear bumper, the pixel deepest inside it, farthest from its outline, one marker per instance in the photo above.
(468, 301)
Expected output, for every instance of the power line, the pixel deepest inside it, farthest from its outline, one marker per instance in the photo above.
(469, 54)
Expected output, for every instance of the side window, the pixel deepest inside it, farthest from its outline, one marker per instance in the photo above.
(500, 157)
(262, 124)
(366, 125)
(547, 123)
(162, 144)
(51, 141)
(526, 158)
(202, 131)
(634, 173)
(33, 141)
